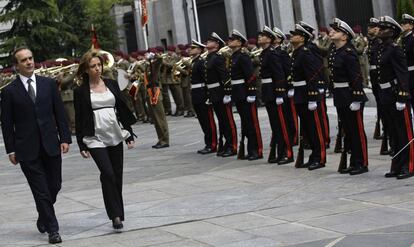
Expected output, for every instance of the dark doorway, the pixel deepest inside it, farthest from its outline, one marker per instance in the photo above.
(355, 12)
(130, 34)
(250, 18)
(212, 18)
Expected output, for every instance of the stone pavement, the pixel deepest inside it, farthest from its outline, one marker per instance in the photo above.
(175, 197)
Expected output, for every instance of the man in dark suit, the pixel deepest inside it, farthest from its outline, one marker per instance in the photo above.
(35, 132)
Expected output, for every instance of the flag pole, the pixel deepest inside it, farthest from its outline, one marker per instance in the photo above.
(144, 29)
(197, 26)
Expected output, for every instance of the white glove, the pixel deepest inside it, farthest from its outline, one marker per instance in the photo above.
(251, 99)
(355, 106)
(291, 93)
(226, 99)
(149, 55)
(321, 90)
(312, 105)
(400, 106)
(279, 101)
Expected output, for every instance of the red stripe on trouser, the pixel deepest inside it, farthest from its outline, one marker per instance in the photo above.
(295, 119)
(325, 123)
(284, 131)
(232, 127)
(257, 129)
(320, 135)
(410, 137)
(213, 129)
(362, 138)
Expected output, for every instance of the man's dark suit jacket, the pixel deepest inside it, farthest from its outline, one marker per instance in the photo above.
(28, 125)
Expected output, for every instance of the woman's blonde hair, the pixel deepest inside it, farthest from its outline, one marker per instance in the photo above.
(84, 65)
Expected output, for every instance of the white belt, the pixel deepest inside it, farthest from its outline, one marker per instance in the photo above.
(267, 80)
(235, 82)
(411, 68)
(198, 85)
(372, 67)
(214, 85)
(299, 83)
(341, 84)
(385, 85)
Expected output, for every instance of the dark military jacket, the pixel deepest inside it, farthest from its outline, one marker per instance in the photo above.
(344, 67)
(408, 47)
(242, 69)
(198, 95)
(271, 67)
(392, 67)
(286, 63)
(216, 72)
(306, 66)
(372, 52)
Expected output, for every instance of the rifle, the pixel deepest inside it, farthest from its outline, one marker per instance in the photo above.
(241, 153)
(299, 159)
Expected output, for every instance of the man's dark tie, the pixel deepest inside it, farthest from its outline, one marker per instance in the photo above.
(30, 90)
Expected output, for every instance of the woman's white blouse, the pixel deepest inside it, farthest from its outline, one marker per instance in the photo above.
(108, 131)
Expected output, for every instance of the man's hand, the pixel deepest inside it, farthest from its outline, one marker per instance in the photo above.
(64, 147)
(12, 158)
(85, 154)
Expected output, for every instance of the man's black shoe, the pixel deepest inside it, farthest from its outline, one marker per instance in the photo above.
(158, 146)
(228, 153)
(391, 174)
(54, 238)
(40, 226)
(254, 157)
(285, 160)
(315, 166)
(346, 170)
(304, 165)
(189, 114)
(358, 170)
(206, 150)
(404, 175)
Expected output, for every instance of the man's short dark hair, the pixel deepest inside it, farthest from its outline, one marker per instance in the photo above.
(20, 48)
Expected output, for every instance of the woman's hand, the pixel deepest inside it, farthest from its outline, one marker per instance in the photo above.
(131, 144)
(85, 154)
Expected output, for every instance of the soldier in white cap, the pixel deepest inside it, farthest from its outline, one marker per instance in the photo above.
(394, 95)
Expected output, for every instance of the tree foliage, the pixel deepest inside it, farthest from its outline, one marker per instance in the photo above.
(405, 7)
(57, 28)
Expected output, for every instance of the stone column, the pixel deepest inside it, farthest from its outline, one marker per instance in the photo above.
(382, 7)
(283, 15)
(235, 15)
(328, 12)
(308, 14)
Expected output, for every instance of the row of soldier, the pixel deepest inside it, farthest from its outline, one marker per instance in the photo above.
(294, 87)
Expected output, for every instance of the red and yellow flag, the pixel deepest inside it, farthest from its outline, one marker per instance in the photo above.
(95, 43)
(144, 13)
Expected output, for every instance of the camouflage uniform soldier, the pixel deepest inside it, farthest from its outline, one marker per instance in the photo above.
(66, 84)
(361, 43)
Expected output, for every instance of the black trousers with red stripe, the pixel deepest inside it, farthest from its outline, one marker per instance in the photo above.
(227, 126)
(250, 127)
(205, 117)
(400, 129)
(353, 124)
(292, 120)
(310, 122)
(325, 120)
(280, 129)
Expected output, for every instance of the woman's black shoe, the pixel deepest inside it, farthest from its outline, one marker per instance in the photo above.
(117, 223)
